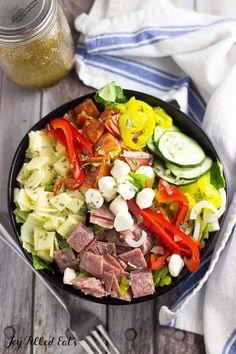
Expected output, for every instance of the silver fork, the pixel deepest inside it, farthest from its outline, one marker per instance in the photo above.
(84, 325)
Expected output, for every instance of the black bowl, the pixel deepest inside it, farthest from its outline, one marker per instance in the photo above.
(185, 123)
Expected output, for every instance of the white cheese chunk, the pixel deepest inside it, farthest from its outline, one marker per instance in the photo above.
(120, 169)
(69, 276)
(175, 264)
(107, 187)
(93, 198)
(118, 205)
(123, 221)
(126, 190)
(147, 171)
(145, 198)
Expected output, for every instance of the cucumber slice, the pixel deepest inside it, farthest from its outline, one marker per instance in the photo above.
(190, 172)
(180, 149)
(158, 131)
(151, 146)
(165, 174)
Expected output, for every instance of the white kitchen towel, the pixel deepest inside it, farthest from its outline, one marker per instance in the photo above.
(172, 53)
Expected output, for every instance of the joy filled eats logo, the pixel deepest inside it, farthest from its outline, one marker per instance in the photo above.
(16, 343)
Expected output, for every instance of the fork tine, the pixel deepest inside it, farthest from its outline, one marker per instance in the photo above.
(108, 339)
(86, 347)
(93, 343)
(99, 339)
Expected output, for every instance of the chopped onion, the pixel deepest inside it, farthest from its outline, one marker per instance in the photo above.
(177, 238)
(187, 228)
(130, 240)
(157, 250)
(211, 218)
(197, 226)
(214, 226)
(201, 205)
(136, 154)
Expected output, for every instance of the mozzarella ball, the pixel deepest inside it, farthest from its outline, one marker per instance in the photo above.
(93, 198)
(118, 205)
(107, 187)
(69, 275)
(120, 169)
(147, 171)
(126, 190)
(123, 221)
(175, 264)
(145, 198)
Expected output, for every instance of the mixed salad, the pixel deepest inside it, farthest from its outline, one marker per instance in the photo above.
(117, 196)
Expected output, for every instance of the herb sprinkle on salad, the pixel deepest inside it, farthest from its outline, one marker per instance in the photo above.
(117, 196)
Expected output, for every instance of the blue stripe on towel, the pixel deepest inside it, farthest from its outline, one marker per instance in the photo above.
(106, 42)
(146, 75)
(230, 345)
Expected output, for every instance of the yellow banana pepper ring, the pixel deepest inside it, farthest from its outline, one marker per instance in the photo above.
(137, 121)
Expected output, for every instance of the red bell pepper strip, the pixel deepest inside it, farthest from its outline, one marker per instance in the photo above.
(167, 193)
(157, 263)
(81, 139)
(157, 229)
(66, 127)
(186, 241)
(166, 231)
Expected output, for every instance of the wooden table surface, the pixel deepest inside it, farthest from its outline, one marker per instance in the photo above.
(27, 308)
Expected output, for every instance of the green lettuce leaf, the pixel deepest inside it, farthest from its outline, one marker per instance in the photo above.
(39, 264)
(20, 215)
(138, 180)
(110, 94)
(216, 175)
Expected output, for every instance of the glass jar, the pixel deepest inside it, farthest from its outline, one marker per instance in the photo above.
(36, 46)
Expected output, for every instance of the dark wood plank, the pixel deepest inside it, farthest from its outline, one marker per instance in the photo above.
(170, 340)
(56, 324)
(18, 112)
(130, 327)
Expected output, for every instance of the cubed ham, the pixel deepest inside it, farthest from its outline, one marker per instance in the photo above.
(147, 245)
(102, 217)
(142, 283)
(134, 259)
(122, 249)
(108, 280)
(80, 237)
(112, 260)
(107, 267)
(65, 259)
(115, 285)
(102, 248)
(92, 263)
(90, 286)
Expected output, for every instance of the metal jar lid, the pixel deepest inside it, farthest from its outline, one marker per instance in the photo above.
(24, 20)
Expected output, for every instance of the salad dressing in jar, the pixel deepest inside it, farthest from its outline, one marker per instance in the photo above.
(36, 46)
